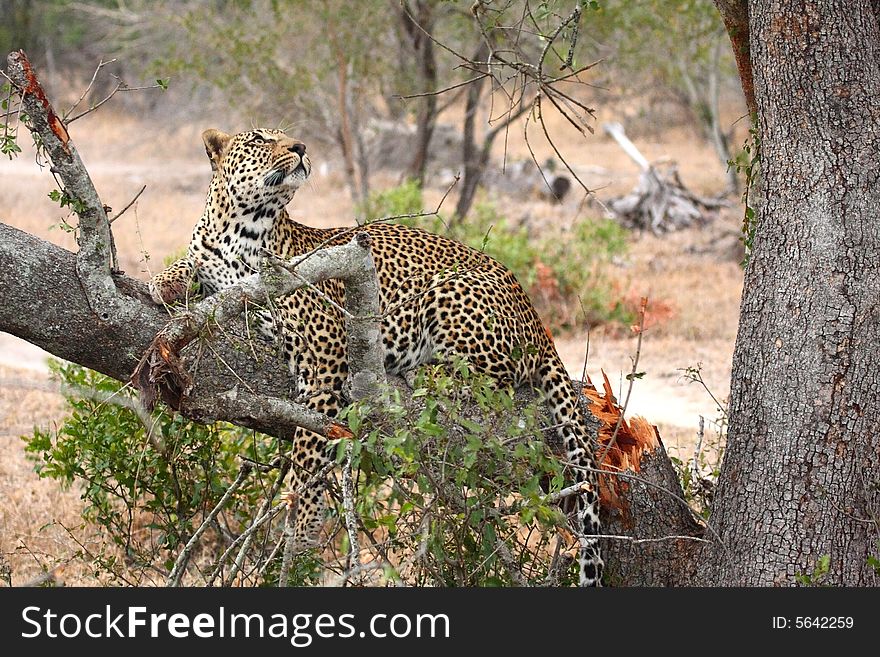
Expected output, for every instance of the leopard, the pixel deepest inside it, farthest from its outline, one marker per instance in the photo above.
(439, 300)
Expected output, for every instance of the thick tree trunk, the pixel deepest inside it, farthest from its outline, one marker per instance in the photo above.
(801, 477)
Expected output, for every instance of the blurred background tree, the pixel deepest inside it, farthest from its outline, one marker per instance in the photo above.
(672, 51)
(355, 71)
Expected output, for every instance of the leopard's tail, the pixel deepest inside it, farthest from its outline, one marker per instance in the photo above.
(568, 416)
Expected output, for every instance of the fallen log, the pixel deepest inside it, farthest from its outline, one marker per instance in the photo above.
(659, 202)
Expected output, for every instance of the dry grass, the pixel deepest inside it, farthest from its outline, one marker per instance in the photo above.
(35, 511)
(693, 287)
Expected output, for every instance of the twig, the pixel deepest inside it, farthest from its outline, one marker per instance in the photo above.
(94, 557)
(278, 545)
(554, 147)
(444, 90)
(574, 16)
(553, 570)
(638, 541)
(663, 489)
(586, 347)
(130, 203)
(101, 64)
(358, 569)
(265, 515)
(120, 86)
(574, 38)
(574, 489)
(254, 526)
(183, 557)
(351, 519)
(632, 378)
(292, 502)
(508, 560)
(695, 466)
(267, 505)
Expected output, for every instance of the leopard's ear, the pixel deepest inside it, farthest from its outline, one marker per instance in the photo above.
(215, 144)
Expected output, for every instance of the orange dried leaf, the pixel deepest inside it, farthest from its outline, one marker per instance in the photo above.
(336, 431)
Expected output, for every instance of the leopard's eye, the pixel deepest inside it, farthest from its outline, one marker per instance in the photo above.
(259, 141)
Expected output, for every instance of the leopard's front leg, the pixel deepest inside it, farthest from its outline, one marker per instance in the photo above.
(173, 282)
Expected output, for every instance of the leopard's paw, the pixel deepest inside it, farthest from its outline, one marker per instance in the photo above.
(165, 290)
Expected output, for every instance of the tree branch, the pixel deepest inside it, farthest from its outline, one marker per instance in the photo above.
(161, 374)
(93, 236)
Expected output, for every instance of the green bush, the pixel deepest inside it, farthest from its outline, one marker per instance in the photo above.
(147, 490)
(565, 272)
(394, 202)
(453, 483)
(448, 488)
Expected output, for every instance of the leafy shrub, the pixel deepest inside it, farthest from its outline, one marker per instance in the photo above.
(565, 272)
(394, 202)
(448, 488)
(452, 484)
(147, 480)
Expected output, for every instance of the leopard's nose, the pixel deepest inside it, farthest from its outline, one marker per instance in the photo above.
(299, 148)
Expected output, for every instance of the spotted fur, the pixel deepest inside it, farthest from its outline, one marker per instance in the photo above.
(439, 299)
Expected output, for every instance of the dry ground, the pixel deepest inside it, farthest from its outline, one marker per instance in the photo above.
(692, 282)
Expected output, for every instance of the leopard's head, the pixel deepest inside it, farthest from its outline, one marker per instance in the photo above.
(257, 166)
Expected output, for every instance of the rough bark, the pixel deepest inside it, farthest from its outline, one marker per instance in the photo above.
(63, 323)
(44, 303)
(93, 234)
(666, 534)
(800, 477)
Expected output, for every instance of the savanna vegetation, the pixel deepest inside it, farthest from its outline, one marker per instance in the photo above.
(462, 118)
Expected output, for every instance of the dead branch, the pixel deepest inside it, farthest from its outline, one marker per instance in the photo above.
(182, 558)
(351, 519)
(660, 202)
(631, 378)
(130, 203)
(238, 564)
(101, 64)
